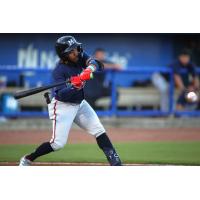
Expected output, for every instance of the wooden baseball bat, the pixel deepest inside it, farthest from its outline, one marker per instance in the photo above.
(22, 94)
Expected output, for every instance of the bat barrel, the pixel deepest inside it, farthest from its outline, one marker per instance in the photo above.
(36, 90)
(25, 93)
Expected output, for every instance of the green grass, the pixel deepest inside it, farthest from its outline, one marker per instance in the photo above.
(186, 153)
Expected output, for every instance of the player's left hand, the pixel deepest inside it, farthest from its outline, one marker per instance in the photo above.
(77, 82)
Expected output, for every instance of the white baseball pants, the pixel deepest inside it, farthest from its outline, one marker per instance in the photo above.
(64, 114)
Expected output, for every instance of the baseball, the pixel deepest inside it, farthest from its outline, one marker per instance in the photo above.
(192, 97)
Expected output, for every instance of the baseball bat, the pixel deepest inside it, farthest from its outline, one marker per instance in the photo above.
(22, 94)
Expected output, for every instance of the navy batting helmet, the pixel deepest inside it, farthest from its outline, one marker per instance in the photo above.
(65, 44)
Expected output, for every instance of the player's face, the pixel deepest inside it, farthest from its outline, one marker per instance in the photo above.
(184, 59)
(73, 55)
(100, 55)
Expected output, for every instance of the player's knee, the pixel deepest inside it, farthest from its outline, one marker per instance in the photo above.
(57, 145)
(98, 131)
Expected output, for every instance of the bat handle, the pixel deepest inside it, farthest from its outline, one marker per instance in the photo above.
(46, 96)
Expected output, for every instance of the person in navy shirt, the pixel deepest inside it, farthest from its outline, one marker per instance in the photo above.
(68, 104)
(185, 77)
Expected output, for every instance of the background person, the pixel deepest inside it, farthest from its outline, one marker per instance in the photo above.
(184, 82)
(99, 81)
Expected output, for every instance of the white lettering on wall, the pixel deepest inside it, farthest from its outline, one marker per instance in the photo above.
(117, 58)
(31, 57)
(47, 59)
(27, 57)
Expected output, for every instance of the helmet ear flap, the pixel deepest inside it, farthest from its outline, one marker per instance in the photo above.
(65, 57)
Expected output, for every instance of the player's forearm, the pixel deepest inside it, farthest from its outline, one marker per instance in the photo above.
(196, 82)
(94, 64)
(178, 82)
(87, 74)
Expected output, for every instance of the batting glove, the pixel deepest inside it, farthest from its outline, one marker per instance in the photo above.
(86, 74)
(79, 81)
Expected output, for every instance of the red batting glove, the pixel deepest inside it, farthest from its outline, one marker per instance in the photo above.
(77, 82)
(86, 74)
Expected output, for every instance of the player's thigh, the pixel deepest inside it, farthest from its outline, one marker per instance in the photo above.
(62, 116)
(87, 119)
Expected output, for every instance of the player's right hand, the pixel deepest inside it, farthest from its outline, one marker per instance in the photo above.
(86, 74)
(77, 82)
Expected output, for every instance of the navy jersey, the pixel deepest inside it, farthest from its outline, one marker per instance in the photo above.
(62, 72)
(190, 71)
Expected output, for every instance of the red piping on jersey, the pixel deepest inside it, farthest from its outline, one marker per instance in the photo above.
(54, 130)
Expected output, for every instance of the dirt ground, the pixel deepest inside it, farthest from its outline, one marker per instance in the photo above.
(116, 135)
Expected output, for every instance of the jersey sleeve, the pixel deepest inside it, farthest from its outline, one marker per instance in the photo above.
(58, 77)
(90, 60)
(65, 91)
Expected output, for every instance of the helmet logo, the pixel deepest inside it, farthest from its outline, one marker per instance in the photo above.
(71, 42)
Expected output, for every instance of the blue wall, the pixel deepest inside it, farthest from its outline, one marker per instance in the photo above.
(130, 49)
(37, 50)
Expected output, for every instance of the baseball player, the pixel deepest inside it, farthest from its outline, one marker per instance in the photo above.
(68, 104)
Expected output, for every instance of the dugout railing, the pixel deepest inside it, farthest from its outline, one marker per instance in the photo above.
(113, 108)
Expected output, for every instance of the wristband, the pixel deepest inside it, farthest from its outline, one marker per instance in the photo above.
(92, 67)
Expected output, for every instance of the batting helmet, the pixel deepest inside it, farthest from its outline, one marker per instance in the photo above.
(65, 44)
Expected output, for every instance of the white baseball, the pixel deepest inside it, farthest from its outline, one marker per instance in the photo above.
(192, 97)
